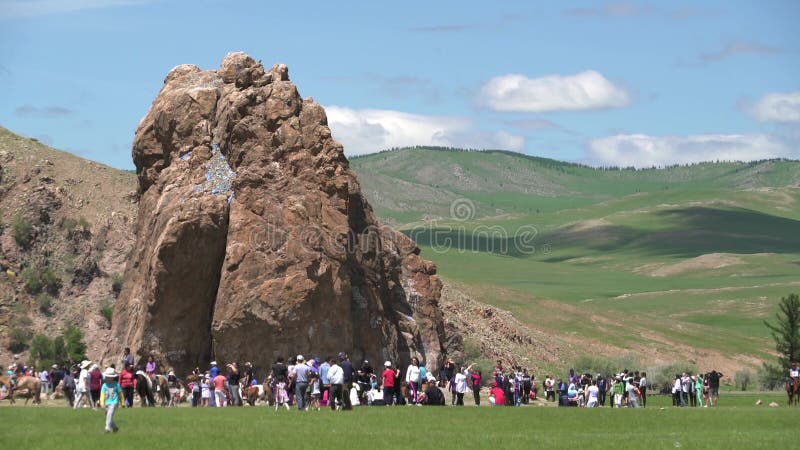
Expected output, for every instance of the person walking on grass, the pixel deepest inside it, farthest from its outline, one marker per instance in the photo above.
(69, 386)
(82, 387)
(336, 378)
(110, 394)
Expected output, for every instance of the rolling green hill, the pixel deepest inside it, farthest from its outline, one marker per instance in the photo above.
(682, 263)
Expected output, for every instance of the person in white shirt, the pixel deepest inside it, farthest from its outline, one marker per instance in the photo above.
(593, 395)
(45, 379)
(354, 394)
(413, 378)
(82, 386)
(461, 384)
(686, 384)
(336, 379)
(550, 393)
(643, 388)
(375, 396)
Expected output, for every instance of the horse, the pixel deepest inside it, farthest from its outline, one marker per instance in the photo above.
(28, 387)
(145, 389)
(258, 393)
(793, 391)
(162, 389)
(5, 385)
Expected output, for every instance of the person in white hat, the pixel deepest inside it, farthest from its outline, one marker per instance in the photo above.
(110, 394)
(82, 386)
(388, 377)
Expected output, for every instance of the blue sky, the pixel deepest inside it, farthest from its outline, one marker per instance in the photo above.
(607, 83)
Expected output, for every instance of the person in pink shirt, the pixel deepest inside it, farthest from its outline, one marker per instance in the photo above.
(219, 389)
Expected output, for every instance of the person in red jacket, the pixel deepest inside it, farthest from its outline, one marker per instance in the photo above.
(498, 395)
(95, 383)
(127, 381)
(388, 378)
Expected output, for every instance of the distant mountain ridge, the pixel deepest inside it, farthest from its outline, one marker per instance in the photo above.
(412, 184)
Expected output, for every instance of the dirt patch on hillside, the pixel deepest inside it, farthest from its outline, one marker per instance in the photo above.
(499, 334)
(710, 261)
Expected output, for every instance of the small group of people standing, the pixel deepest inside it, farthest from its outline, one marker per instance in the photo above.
(624, 389)
(696, 390)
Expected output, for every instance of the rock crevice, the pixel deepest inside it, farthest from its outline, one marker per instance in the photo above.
(254, 239)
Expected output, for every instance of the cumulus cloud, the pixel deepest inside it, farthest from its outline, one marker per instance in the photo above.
(641, 150)
(46, 112)
(369, 130)
(583, 91)
(32, 8)
(776, 107)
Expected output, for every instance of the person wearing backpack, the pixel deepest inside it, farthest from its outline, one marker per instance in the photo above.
(69, 387)
(601, 395)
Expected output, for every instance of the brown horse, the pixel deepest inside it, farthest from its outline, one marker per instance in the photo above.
(793, 391)
(262, 393)
(28, 387)
(5, 385)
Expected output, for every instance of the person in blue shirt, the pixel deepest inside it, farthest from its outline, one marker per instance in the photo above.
(110, 394)
(213, 372)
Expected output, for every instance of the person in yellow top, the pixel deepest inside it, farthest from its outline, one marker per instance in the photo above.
(110, 394)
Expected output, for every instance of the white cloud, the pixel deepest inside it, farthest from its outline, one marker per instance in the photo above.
(369, 130)
(777, 107)
(641, 150)
(32, 8)
(582, 91)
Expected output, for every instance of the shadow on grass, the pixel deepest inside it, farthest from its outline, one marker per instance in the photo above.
(690, 232)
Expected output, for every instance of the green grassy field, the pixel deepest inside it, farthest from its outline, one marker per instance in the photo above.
(735, 424)
(645, 261)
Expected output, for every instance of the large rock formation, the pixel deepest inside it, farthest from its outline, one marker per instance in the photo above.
(253, 237)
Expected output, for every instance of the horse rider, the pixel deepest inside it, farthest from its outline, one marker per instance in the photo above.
(12, 375)
(794, 373)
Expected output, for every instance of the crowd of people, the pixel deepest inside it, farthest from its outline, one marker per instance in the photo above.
(334, 382)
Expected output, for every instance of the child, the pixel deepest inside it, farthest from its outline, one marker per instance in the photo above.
(110, 394)
(205, 393)
(315, 391)
(281, 396)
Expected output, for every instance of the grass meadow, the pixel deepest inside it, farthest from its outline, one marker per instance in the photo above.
(737, 423)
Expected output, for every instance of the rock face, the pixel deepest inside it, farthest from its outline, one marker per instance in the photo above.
(253, 237)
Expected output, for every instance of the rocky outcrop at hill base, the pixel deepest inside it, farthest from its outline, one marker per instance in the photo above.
(253, 238)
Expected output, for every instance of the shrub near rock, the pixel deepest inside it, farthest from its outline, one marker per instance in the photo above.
(18, 339)
(22, 231)
(107, 311)
(44, 302)
(33, 284)
(50, 280)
